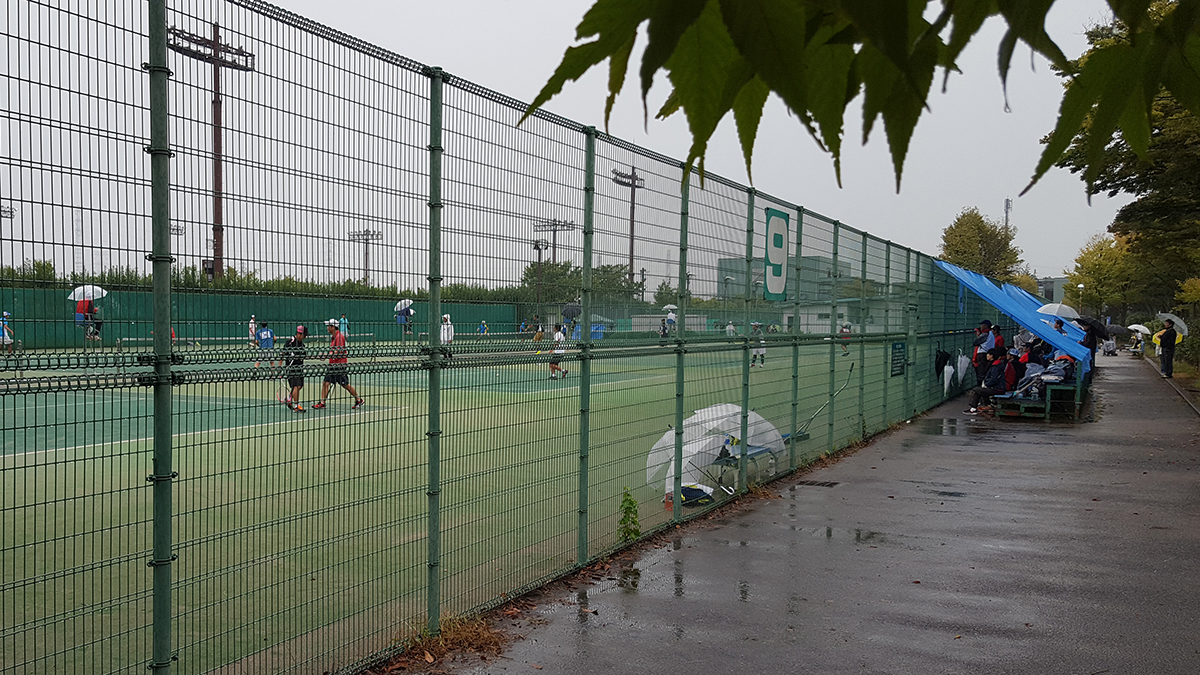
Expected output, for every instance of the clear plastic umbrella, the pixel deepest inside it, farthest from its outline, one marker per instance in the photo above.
(403, 305)
(1058, 309)
(703, 436)
(947, 377)
(964, 363)
(1139, 328)
(87, 292)
(1180, 326)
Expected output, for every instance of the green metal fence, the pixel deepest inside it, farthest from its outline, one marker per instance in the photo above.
(161, 506)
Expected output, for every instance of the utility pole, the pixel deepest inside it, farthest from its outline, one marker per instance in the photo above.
(366, 237)
(632, 181)
(553, 226)
(212, 50)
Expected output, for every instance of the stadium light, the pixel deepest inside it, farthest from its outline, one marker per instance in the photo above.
(366, 237)
(553, 226)
(540, 245)
(632, 181)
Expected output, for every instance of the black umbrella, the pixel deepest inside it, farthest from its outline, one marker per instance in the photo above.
(571, 310)
(1116, 329)
(1094, 323)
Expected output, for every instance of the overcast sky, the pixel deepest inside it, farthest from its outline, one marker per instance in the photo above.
(967, 151)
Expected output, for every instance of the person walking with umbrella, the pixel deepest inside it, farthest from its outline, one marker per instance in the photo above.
(1166, 344)
(6, 332)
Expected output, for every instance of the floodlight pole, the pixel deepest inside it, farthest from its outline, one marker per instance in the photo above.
(366, 237)
(540, 245)
(553, 225)
(632, 181)
(212, 50)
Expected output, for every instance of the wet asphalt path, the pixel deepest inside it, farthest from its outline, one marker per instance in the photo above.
(953, 545)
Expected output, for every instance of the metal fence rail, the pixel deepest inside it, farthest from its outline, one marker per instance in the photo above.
(160, 503)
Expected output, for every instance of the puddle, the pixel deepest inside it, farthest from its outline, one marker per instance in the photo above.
(951, 426)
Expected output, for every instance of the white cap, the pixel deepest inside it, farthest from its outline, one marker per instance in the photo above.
(332, 322)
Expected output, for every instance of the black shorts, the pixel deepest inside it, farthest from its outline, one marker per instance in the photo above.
(556, 359)
(338, 374)
(297, 381)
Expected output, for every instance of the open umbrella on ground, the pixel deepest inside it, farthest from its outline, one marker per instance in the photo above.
(403, 305)
(1058, 309)
(669, 307)
(1116, 329)
(704, 436)
(1180, 326)
(1094, 323)
(87, 292)
(1139, 328)
(571, 310)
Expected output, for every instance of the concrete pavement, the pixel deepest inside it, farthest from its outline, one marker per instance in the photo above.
(952, 545)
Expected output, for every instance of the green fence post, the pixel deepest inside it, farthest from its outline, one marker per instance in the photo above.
(160, 209)
(796, 342)
(833, 330)
(743, 463)
(908, 333)
(862, 340)
(680, 339)
(585, 357)
(433, 583)
(887, 328)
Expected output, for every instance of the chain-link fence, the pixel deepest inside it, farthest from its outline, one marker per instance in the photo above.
(526, 321)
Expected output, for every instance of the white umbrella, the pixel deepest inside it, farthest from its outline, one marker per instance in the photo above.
(1060, 310)
(87, 292)
(403, 305)
(947, 376)
(703, 436)
(1139, 328)
(1179, 324)
(669, 307)
(964, 362)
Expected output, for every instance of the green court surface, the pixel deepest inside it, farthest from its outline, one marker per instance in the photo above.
(319, 520)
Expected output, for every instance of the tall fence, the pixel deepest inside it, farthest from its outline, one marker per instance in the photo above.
(163, 506)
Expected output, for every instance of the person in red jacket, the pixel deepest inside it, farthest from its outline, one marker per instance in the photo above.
(999, 338)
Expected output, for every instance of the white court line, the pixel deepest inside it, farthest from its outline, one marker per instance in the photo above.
(206, 431)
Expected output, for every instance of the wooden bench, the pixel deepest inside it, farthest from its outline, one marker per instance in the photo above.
(1061, 399)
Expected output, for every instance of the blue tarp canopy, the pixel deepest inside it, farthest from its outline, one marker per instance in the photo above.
(1024, 312)
(1021, 295)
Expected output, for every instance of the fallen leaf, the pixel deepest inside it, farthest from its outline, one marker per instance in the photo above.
(536, 666)
(428, 657)
(916, 582)
(956, 637)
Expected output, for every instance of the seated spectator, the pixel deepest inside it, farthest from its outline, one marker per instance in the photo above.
(993, 381)
(1016, 367)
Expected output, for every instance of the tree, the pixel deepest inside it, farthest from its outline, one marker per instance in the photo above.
(1026, 281)
(975, 243)
(665, 294)
(725, 56)
(1161, 227)
(1109, 282)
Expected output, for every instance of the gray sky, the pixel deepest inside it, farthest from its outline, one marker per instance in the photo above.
(967, 151)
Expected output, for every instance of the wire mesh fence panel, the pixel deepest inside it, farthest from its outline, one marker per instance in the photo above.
(509, 480)
(513, 210)
(636, 249)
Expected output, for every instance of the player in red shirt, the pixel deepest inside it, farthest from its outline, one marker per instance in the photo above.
(338, 370)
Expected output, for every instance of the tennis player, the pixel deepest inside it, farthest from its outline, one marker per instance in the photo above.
(293, 357)
(338, 371)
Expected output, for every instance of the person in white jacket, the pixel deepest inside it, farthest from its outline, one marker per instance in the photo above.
(447, 333)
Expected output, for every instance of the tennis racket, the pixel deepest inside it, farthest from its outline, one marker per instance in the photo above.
(283, 393)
